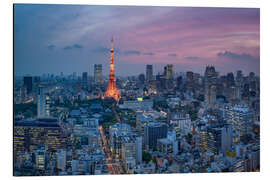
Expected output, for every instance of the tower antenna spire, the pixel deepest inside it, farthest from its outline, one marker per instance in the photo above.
(112, 43)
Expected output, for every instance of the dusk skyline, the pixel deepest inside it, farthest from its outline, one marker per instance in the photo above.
(72, 38)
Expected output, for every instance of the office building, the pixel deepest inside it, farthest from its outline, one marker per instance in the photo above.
(98, 77)
(28, 135)
(84, 80)
(149, 72)
(179, 82)
(216, 138)
(210, 90)
(141, 78)
(138, 149)
(168, 71)
(153, 132)
(189, 76)
(230, 80)
(43, 103)
(28, 83)
(219, 138)
(241, 119)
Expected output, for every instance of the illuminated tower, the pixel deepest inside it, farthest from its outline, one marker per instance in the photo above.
(112, 90)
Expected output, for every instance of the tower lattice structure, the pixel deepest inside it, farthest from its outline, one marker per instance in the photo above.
(112, 90)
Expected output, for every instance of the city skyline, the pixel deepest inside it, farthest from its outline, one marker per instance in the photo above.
(177, 90)
(189, 38)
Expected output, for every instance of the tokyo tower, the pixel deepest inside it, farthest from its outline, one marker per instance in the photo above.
(112, 90)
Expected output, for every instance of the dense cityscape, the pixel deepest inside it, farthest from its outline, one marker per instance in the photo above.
(170, 122)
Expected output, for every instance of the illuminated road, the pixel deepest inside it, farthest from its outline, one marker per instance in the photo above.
(114, 168)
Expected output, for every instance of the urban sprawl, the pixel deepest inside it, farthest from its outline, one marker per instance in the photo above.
(170, 122)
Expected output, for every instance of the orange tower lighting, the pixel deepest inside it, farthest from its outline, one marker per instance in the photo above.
(112, 90)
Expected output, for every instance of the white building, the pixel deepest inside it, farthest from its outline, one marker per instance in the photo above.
(138, 105)
(43, 103)
(241, 119)
(182, 121)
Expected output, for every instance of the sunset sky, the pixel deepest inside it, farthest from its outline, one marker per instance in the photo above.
(72, 38)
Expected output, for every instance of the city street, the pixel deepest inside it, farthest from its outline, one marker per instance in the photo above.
(114, 168)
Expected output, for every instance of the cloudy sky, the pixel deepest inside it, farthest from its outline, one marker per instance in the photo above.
(72, 38)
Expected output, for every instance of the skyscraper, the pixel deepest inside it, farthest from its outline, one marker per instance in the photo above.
(36, 81)
(179, 81)
(84, 80)
(112, 90)
(138, 149)
(149, 72)
(27, 82)
(210, 77)
(98, 77)
(230, 80)
(43, 103)
(239, 78)
(168, 71)
(189, 76)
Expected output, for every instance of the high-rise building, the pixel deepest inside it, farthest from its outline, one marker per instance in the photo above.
(43, 103)
(84, 80)
(153, 132)
(230, 80)
(189, 76)
(168, 71)
(216, 138)
(232, 93)
(196, 78)
(226, 141)
(161, 82)
(141, 78)
(116, 131)
(36, 81)
(169, 144)
(128, 146)
(212, 95)
(251, 76)
(138, 149)
(239, 78)
(179, 82)
(189, 81)
(219, 139)
(241, 119)
(149, 72)
(28, 83)
(74, 76)
(112, 90)
(98, 77)
(210, 77)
